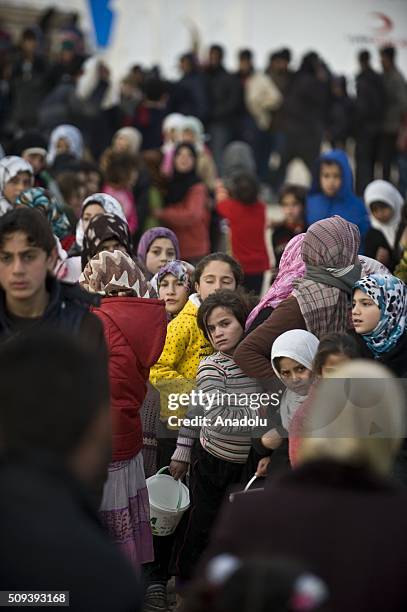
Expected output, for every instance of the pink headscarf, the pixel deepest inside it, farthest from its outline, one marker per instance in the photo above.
(291, 268)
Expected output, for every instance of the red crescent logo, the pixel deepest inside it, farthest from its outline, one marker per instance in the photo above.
(386, 24)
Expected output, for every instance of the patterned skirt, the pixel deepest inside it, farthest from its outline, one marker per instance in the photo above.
(125, 510)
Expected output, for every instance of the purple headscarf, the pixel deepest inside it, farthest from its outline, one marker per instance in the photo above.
(152, 234)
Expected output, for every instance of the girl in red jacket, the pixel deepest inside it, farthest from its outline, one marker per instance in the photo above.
(246, 215)
(135, 328)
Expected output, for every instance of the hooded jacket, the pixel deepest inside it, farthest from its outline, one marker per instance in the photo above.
(345, 203)
(135, 331)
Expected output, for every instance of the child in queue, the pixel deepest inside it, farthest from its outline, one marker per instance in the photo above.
(218, 460)
(175, 372)
(292, 357)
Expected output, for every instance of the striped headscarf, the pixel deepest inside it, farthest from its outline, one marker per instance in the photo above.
(330, 253)
(291, 268)
(113, 273)
(101, 228)
(46, 203)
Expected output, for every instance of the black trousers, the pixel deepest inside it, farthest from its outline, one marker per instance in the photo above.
(366, 155)
(211, 478)
(387, 154)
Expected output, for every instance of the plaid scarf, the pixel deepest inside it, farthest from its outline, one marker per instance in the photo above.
(331, 244)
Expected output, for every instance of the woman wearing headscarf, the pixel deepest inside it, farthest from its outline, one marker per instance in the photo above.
(173, 285)
(16, 174)
(128, 139)
(156, 248)
(340, 502)
(93, 205)
(320, 301)
(379, 316)
(135, 327)
(186, 209)
(46, 203)
(292, 358)
(291, 268)
(105, 233)
(65, 139)
(384, 204)
(67, 268)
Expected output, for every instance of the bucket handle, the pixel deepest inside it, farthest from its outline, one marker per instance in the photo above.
(167, 467)
(251, 481)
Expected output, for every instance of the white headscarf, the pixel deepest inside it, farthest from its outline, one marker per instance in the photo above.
(174, 121)
(301, 346)
(72, 135)
(383, 191)
(10, 166)
(109, 205)
(133, 137)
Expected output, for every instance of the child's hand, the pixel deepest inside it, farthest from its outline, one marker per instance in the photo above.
(261, 471)
(178, 469)
(271, 439)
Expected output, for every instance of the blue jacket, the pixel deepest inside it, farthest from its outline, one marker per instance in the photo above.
(345, 203)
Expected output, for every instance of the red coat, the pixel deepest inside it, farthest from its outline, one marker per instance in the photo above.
(190, 220)
(135, 330)
(247, 228)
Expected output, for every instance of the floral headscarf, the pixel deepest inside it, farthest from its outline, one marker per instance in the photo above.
(152, 234)
(45, 202)
(113, 273)
(390, 295)
(109, 205)
(101, 228)
(182, 270)
(72, 135)
(291, 268)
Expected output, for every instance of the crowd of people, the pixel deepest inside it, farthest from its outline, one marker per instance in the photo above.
(133, 259)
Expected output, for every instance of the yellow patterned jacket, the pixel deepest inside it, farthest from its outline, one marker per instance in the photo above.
(176, 369)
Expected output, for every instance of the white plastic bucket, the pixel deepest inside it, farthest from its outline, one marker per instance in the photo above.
(169, 499)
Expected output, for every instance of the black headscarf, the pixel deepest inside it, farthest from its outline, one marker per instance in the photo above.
(101, 228)
(181, 182)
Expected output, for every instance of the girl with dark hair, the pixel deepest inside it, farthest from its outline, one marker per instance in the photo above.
(175, 371)
(225, 414)
(186, 209)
